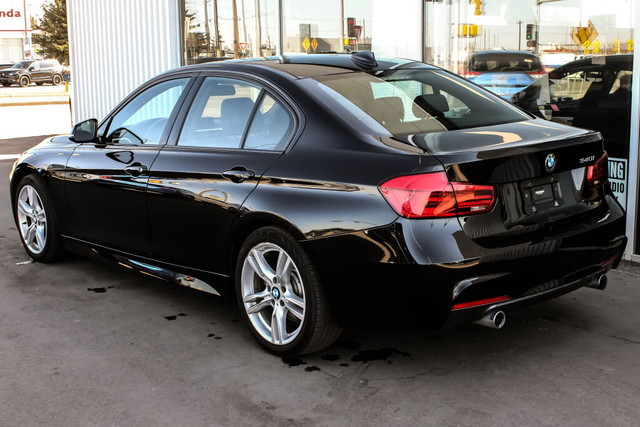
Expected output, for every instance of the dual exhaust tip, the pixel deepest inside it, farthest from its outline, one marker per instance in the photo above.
(493, 320)
(497, 319)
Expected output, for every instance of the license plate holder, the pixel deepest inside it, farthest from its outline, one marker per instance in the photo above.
(541, 194)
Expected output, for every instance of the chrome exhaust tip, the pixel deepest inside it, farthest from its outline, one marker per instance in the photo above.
(600, 283)
(494, 320)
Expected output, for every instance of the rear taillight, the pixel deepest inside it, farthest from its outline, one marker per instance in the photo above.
(598, 173)
(431, 195)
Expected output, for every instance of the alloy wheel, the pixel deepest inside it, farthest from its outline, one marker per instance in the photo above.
(32, 219)
(272, 293)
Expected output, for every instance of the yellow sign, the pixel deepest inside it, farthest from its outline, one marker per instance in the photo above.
(305, 43)
(469, 30)
(478, 10)
(616, 45)
(593, 33)
(586, 47)
(583, 34)
(630, 45)
(314, 44)
(596, 46)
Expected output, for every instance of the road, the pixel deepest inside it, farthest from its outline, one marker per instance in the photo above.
(33, 111)
(88, 344)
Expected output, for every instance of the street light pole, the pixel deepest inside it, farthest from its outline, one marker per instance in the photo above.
(26, 33)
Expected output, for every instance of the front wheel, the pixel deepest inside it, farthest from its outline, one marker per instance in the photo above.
(24, 81)
(280, 295)
(36, 221)
(56, 80)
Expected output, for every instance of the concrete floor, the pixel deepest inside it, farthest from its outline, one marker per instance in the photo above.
(82, 343)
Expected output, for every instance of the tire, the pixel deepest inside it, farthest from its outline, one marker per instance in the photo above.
(56, 79)
(24, 81)
(36, 221)
(278, 288)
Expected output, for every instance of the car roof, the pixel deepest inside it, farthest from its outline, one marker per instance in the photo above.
(314, 65)
(504, 52)
(626, 58)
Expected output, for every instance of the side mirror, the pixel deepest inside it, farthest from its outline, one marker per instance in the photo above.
(85, 131)
(32, 68)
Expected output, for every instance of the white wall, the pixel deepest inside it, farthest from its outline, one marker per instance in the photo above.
(116, 45)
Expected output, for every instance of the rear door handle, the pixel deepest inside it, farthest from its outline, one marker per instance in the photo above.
(135, 169)
(239, 174)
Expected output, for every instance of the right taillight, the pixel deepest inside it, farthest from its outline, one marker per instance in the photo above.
(598, 173)
(431, 195)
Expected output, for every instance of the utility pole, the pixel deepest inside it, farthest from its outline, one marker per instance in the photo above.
(236, 48)
(207, 33)
(257, 49)
(519, 35)
(215, 28)
(26, 31)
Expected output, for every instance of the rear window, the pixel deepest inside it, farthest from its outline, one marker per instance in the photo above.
(499, 61)
(416, 101)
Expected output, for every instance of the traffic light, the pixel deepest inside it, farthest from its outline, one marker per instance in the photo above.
(350, 23)
(530, 32)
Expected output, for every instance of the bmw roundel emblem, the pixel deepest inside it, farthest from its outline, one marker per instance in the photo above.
(275, 293)
(550, 162)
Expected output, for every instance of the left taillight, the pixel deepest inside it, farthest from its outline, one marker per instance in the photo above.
(431, 195)
(598, 173)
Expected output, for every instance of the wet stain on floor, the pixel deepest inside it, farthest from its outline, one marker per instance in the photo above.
(378, 354)
(291, 362)
(175, 317)
(99, 290)
(330, 357)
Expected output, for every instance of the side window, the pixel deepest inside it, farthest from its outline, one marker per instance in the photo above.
(35, 66)
(270, 126)
(143, 120)
(574, 85)
(219, 113)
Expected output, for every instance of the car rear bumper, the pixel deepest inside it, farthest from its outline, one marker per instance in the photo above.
(393, 280)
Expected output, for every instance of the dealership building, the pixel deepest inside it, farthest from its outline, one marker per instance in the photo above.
(15, 30)
(116, 45)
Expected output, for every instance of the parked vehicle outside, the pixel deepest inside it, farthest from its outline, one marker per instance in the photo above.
(324, 192)
(5, 64)
(504, 72)
(26, 72)
(592, 93)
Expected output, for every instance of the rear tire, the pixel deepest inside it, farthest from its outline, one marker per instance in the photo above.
(280, 295)
(36, 221)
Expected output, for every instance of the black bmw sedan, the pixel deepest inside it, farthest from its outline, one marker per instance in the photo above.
(329, 191)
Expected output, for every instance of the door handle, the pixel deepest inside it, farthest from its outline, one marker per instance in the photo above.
(135, 169)
(239, 174)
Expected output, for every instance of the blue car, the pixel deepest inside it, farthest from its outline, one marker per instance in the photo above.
(504, 72)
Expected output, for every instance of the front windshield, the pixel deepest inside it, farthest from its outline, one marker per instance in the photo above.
(21, 65)
(420, 101)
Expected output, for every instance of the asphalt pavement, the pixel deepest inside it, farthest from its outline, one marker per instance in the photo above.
(85, 343)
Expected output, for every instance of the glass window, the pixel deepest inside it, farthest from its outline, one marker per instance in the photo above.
(219, 113)
(573, 85)
(214, 31)
(421, 101)
(270, 127)
(143, 120)
(35, 66)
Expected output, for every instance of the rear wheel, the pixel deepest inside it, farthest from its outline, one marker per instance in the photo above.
(280, 295)
(36, 221)
(56, 80)
(24, 81)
